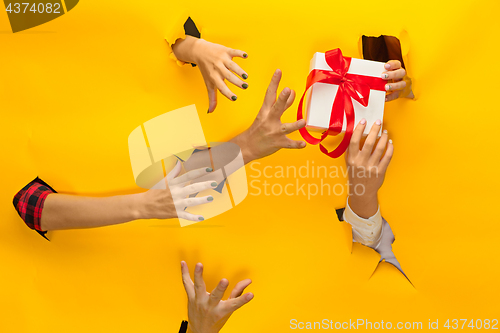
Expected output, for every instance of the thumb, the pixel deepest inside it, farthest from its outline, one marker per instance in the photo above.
(212, 98)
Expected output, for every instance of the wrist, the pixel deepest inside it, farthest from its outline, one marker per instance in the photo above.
(136, 206)
(243, 142)
(365, 205)
(187, 49)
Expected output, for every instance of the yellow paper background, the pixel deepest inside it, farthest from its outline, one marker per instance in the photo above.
(73, 89)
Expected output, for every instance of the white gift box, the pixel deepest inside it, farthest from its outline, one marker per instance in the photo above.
(320, 96)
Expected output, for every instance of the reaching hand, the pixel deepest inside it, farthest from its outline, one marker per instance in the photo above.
(268, 134)
(168, 198)
(207, 312)
(367, 167)
(216, 64)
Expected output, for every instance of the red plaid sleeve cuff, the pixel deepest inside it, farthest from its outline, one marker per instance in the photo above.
(29, 202)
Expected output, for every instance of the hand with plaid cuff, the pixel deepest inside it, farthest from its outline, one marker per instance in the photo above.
(43, 209)
(207, 312)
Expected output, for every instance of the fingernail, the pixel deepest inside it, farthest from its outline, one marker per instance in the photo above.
(387, 66)
(201, 218)
(387, 87)
(198, 267)
(385, 131)
(209, 169)
(386, 99)
(390, 141)
(245, 55)
(234, 98)
(244, 85)
(378, 122)
(244, 76)
(385, 76)
(214, 184)
(208, 111)
(250, 296)
(363, 121)
(210, 198)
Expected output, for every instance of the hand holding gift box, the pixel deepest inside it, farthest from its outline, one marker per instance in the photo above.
(340, 92)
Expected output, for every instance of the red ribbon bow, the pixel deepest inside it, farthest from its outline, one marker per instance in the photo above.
(351, 86)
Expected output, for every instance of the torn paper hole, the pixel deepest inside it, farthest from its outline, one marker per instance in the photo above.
(384, 48)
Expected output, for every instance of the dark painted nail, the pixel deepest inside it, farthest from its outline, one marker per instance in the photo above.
(244, 76)
(201, 218)
(210, 169)
(214, 184)
(208, 111)
(234, 98)
(245, 55)
(210, 198)
(244, 85)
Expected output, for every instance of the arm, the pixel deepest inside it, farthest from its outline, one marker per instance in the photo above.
(366, 169)
(62, 211)
(264, 137)
(168, 199)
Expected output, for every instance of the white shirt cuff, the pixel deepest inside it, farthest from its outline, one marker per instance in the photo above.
(365, 231)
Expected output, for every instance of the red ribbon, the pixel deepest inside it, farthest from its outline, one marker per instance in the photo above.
(349, 87)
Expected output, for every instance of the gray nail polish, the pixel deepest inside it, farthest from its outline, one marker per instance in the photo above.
(209, 169)
(201, 218)
(214, 184)
(210, 198)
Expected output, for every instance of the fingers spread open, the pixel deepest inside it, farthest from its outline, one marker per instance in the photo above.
(221, 85)
(193, 188)
(238, 53)
(199, 285)
(193, 174)
(212, 98)
(236, 303)
(293, 144)
(288, 128)
(218, 292)
(233, 78)
(186, 280)
(356, 137)
(175, 171)
(395, 75)
(272, 89)
(188, 216)
(189, 202)
(232, 66)
(239, 288)
(370, 140)
(279, 107)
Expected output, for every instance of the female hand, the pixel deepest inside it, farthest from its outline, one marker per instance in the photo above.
(207, 312)
(268, 134)
(216, 65)
(394, 75)
(170, 197)
(367, 167)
